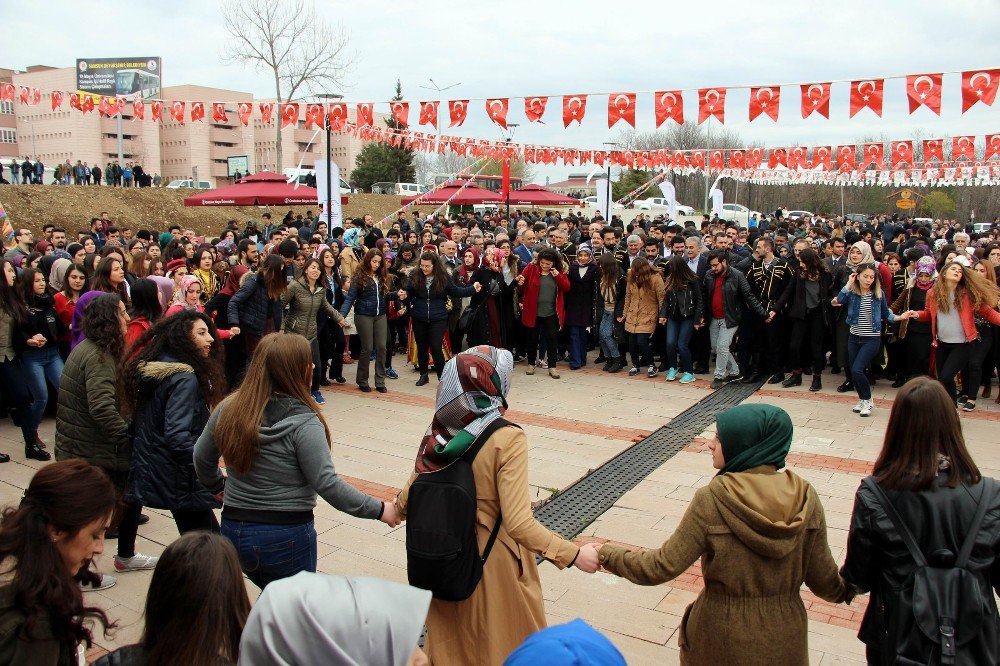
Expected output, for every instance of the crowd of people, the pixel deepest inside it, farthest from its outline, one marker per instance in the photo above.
(114, 174)
(165, 353)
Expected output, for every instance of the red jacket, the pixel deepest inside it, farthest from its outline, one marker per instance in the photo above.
(64, 308)
(965, 313)
(529, 295)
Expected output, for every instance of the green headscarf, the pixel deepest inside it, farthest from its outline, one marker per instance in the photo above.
(754, 435)
(165, 239)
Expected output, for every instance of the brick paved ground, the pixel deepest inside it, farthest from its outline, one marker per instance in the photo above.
(574, 425)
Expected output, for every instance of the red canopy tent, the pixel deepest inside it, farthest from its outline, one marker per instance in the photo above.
(536, 195)
(467, 197)
(260, 189)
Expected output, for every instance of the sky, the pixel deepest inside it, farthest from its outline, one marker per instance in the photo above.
(518, 48)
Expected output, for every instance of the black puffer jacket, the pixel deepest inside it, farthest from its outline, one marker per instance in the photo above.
(252, 307)
(878, 561)
(170, 414)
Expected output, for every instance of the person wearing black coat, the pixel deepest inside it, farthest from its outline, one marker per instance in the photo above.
(682, 311)
(809, 312)
(583, 274)
(256, 306)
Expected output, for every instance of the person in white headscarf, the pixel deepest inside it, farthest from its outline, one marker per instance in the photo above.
(335, 621)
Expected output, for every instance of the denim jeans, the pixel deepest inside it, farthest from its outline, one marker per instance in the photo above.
(861, 349)
(607, 335)
(722, 341)
(40, 365)
(272, 552)
(577, 346)
(679, 332)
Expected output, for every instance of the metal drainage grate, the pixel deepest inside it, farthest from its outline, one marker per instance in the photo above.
(576, 507)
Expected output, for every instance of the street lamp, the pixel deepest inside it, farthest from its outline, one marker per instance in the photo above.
(615, 145)
(510, 137)
(329, 160)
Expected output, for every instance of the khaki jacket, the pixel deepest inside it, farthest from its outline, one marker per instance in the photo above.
(642, 306)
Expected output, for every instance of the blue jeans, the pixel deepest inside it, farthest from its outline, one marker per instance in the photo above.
(606, 333)
(679, 332)
(40, 365)
(577, 346)
(272, 552)
(861, 349)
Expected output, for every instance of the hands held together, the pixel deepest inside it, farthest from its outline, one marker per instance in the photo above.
(588, 560)
(389, 515)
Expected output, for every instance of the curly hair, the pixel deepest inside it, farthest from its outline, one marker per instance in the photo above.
(171, 336)
(102, 325)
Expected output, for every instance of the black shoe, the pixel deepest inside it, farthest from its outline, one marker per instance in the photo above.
(817, 383)
(607, 365)
(341, 380)
(899, 382)
(718, 383)
(601, 358)
(4, 458)
(835, 370)
(738, 377)
(423, 379)
(794, 380)
(700, 369)
(143, 519)
(381, 389)
(753, 379)
(365, 389)
(617, 365)
(34, 453)
(325, 382)
(776, 378)
(845, 387)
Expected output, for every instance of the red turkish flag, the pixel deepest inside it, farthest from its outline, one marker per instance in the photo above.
(846, 158)
(924, 90)
(698, 159)
(57, 99)
(36, 96)
(992, 146)
(429, 114)
(716, 160)
(797, 158)
(400, 112)
(74, 101)
(822, 158)
(777, 156)
(574, 108)
(197, 111)
(496, 109)
(138, 110)
(765, 100)
(289, 114)
(219, 113)
(963, 146)
(315, 116)
(754, 157)
(902, 153)
(120, 106)
(874, 155)
(25, 94)
(712, 103)
(621, 106)
(679, 160)
(458, 109)
(815, 99)
(867, 95)
(157, 107)
(243, 112)
(979, 86)
(737, 160)
(87, 104)
(177, 112)
(933, 149)
(266, 112)
(107, 106)
(336, 115)
(534, 108)
(366, 115)
(8, 93)
(669, 104)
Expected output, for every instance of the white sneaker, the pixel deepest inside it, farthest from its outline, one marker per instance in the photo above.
(866, 409)
(137, 562)
(858, 406)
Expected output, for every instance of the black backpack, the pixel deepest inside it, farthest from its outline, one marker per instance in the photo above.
(941, 607)
(442, 552)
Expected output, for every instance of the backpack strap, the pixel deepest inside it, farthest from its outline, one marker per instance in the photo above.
(470, 455)
(977, 522)
(897, 521)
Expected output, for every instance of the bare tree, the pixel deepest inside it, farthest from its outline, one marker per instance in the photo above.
(304, 53)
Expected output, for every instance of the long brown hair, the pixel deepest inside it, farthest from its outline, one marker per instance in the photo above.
(65, 496)
(272, 276)
(679, 274)
(641, 272)
(923, 425)
(611, 271)
(363, 273)
(102, 278)
(980, 291)
(197, 604)
(279, 365)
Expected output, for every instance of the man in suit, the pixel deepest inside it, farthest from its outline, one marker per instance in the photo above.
(633, 250)
(697, 261)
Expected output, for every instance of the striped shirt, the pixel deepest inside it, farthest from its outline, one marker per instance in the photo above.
(865, 326)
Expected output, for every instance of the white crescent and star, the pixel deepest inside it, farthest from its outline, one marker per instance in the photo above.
(708, 98)
(496, 107)
(770, 95)
(668, 96)
(916, 85)
(980, 90)
(628, 102)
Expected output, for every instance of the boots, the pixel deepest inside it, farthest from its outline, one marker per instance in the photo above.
(817, 383)
(601, 358)
(423, 379)
(32, 452)
(617, 364)
(794, 380)
(610, 362)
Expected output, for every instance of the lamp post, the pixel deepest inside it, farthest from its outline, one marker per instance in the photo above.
(329, 160)
(610, 144)
(510, 137)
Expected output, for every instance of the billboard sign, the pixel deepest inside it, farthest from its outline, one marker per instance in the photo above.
(131, 78)
(239, 163)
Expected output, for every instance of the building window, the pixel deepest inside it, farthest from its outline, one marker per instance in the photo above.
(7, 107)
(8, 136)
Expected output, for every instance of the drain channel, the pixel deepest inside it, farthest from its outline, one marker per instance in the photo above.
(576, 507)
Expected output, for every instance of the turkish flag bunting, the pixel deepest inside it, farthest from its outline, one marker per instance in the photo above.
(86, 103)
(621, 106)
(716, 160)
(429, 113)
(315, 116)
(815, 99)
(574, 108)
(7, 92)
(107, 106)
(25, 94)
(963, 146)
(458, 109)
(157, 107)
(797, 158)
(712, 103)
(496, 109)
(138, 110)
(74, 101)
(534, 108)
(243, 112)
(979, 86)
(874, 155)
(924, 90)
(401, 113)
(867, 95)
(177, 112)
(36, 96)
(669, 105)
(933, 149)
(992, 146)
(777, 156)
(755, 156)
(679, 160)
(197, 111)
(822, 158)
(846, 158)
(336, 115)
(600, 157)
(289, 114)
(120, 106)
(266, 112)
(737, 160)
(365, 117)
(902, 153)
(698, 159)
(57, 99)
(219, 113)
(765, 100)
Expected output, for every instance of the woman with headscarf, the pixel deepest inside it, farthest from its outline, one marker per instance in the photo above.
(351, 257)
(188, 297)
(762, 531)
(318, 619)
(915, 335)
(506, 606)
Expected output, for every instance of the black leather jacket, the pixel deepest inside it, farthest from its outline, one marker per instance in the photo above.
(878, 562)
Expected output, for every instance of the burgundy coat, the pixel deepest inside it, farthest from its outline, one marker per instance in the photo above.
(529, 295)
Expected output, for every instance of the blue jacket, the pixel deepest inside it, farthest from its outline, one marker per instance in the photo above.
(250, 307)
(880, 310)
(426, 305)
(524, 254)
(369, 301)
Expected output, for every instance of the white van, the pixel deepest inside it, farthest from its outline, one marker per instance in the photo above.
(409, 189)
(192, 184)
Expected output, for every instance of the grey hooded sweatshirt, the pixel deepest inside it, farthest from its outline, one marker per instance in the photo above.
(293, 465)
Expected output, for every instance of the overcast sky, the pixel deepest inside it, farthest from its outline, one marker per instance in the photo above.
(519, 48)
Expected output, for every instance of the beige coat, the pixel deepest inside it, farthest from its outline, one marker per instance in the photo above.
(507, 605)
(642, 306)
(349, 263)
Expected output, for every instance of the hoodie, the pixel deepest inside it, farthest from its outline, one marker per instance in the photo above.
(293, 465)
(766, 512)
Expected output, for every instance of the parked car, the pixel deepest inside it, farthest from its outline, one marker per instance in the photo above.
(860, 218)
(799, 214)
(592, 202)
(192, 184)
(659, 202)
(733, 212)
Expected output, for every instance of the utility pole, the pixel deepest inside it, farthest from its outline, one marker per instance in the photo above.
(329, 160)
